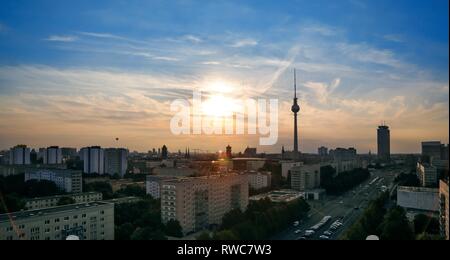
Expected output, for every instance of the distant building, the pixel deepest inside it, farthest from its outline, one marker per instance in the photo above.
(432, 149)
(418, 198)
(343, 154)
(67, 180)
(19, 155)
(323, 151)
(93, 221)
(52, 201)
(93, 158)
(199, 203)
(69, 153)
(53, 155)
(259, 180)
(384, 143)
(286, 167)
(305, 177)
(428, 175)
(444, 208)
(116, 161)
(248, 164)
(229, 154)
(164, 152)
(250, 152)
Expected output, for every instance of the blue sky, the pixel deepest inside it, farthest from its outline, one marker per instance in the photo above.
(360, 63)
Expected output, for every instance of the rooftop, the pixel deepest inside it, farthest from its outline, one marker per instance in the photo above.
(65, 195)
(41, 212)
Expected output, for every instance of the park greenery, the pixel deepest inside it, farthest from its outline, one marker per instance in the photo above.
(342, 182)
(14, 191)
(262, 220)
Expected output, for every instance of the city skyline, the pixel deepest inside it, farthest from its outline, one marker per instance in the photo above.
(77, 82)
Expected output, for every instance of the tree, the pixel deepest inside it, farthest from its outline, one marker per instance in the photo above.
(65, 201)
(425, 224)
(204, 236)
(232, 218)
(173, 229)
(104, 187)
(396, 226)
(148, 233)
(131, 190)
(11, 203)
(124, 232)
(43, 188)
(225, 235)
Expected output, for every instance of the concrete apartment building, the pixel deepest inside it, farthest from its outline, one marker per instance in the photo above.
(153, 185)
(444, 208)
(418, 198)
(19, 155)
(199, 203)
(116, 161)
(259, 180)
(305, 177)
(94, 221)
(428, 175)
(52, 155)
(69, 181)
(93, 158)
(52, 201)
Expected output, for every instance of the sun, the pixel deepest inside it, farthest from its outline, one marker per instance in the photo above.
(219, 101)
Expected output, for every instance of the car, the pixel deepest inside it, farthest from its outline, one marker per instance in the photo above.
(302, 238)
(328, 233)
(324, 237)
(356, 208)
(296, 223)
(298, 231)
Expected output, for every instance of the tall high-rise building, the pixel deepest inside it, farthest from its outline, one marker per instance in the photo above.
(305, 177)
(116, 161)
(164, 152)
(53, 155)
(19, 155)
(323, 151)
(295, 109)
(68, 152)
(93, 158)
(432, 149)
(384, 143)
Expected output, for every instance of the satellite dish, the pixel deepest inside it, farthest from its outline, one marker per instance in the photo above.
(373, 238)
(72, 237)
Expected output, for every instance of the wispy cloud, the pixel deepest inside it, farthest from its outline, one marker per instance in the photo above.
(61, 38)
(192, 38)
(394, 38)
(244, 43)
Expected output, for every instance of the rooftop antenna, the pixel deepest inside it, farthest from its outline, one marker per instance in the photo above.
(295, 82)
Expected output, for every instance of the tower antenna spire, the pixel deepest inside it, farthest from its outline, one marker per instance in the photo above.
(295, 83)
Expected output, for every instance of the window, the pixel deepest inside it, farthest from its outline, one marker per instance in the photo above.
(66, 218)
(75, 217)
(66, 227)
(9, 229)
(47, 230)
(56, 220)
(47, 222)
(57, 228)
(83, 216)
(102, 212)
(9, 238)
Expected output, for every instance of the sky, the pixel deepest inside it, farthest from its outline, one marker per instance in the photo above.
(79, 73)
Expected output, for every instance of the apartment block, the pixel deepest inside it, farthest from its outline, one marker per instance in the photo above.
(305, 177)
(200, 203)
(52, 201)
(93, 221)
(69, 181)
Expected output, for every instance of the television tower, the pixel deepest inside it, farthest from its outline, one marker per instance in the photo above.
(295, 109)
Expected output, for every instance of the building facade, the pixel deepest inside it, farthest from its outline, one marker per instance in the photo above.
(428, 175)
(19, 155)
(418, 198)
(322, 151)
(116, 161)
(69, 181)
(384, 143)
(444, 208)
(52, 201)
(259, 180)
(93, 221)
(93, 158)
(53, 155)
(199, 203)
(305, 177)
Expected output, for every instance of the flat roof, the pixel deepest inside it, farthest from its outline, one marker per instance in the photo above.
(65, 195)
(41, 212)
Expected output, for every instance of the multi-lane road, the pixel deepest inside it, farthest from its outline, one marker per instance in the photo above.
(346, 208)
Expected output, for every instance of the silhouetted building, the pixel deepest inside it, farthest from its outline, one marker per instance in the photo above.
(53, 155)
(250, 152)
(229, 154)
(323, 151)
(384, 143)
(19, 155)
(444, 208)
(164, 152)
(116, 161)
